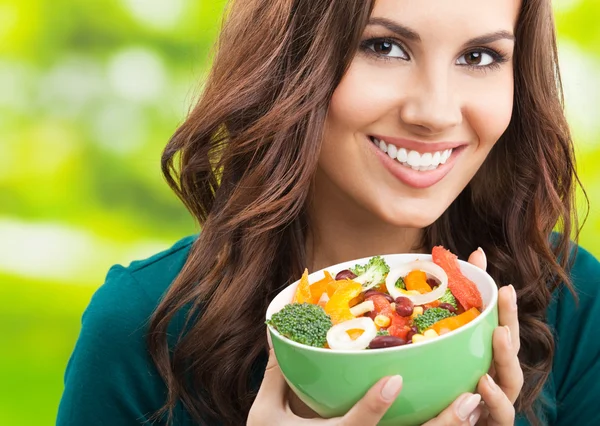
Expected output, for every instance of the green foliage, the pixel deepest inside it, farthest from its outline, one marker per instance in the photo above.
(303, 323)
(89, 94)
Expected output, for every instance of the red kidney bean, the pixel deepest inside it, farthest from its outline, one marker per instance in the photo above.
(448, 307)
(345, 274)
(381, 342)
(404, 306)
(411, 333)
(432, 282)
(374, 292)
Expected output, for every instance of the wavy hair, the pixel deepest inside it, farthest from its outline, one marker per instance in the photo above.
(243, 162)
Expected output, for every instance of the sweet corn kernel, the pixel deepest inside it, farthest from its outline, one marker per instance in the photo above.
(430, 334)
(393, 306)
(418, 338)
(382, 321)
(418, 310)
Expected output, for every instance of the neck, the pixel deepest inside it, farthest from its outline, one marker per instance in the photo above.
(342, 230)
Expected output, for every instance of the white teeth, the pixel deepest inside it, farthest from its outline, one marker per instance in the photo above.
(392, 151)
(413, 159)
(426, 160)
(402, 155)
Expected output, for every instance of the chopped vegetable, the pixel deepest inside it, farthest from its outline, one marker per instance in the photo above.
(417, 281)
(383, 332)
(400, 283)
(465, 290)
(303, 323)
(338, 337)
(302, 294)
(415, 296)
(430, 317)
(317, 289)
(449, 298)
(338, 306)
(453, 322)
(371, 274)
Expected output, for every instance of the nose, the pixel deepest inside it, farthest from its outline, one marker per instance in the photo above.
(430, 104)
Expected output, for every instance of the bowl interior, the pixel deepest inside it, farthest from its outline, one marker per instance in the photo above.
(485, 284)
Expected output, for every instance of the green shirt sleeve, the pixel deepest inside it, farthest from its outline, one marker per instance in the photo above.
(576, 370)
(110, 378)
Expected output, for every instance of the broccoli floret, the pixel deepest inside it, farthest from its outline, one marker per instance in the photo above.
(383, 332)
(430, 317)
(448, 297)
(400, 283)
(303, 323)
(371, 274)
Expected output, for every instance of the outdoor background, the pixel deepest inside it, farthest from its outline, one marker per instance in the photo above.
(90, 92)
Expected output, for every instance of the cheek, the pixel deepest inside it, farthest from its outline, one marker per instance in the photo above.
(489, 110)
(359, 100)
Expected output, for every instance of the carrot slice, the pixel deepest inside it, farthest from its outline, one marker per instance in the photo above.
(417, 280)
(465, 290)
(452, 323)
(302, 294)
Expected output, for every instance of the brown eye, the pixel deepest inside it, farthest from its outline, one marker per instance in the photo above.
(477, 58)
(383, 47)
(473, 58)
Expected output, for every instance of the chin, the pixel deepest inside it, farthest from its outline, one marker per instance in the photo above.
(411, 218)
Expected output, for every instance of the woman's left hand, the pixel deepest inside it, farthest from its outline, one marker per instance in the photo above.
(500, 388)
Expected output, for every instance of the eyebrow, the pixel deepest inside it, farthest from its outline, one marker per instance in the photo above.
(412, 35)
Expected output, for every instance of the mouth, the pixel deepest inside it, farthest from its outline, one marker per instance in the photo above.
(417, 164)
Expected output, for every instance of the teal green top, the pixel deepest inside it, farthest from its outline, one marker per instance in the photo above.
(111, 381)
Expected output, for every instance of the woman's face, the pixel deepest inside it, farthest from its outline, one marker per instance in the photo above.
(424, 101)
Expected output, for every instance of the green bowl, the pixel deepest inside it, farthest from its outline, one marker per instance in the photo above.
(435, 371)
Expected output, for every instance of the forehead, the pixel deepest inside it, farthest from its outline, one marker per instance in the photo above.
(440, 19)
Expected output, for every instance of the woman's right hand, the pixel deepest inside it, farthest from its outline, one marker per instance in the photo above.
(271, 405)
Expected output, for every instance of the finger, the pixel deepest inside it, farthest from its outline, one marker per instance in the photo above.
(478, 259)
(464, 411)
(274, 387)
(371, 408)
(500, 410)
(508, 314)
(509, 374)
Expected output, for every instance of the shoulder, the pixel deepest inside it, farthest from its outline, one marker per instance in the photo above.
(573, 316)
(110, 365)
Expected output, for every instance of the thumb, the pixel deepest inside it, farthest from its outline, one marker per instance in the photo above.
(371, 408)
(478, 259)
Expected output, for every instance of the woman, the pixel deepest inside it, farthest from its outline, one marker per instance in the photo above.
(334, 130)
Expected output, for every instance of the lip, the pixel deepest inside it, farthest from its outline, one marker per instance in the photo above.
(420, 147)
(415, 178)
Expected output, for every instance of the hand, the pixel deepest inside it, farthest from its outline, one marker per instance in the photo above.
(501, 386)
(272, 406)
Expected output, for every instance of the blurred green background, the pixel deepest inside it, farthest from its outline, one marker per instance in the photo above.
(89, 94)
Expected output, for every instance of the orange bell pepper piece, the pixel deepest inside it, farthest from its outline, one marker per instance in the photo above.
(302, 294)
(417, 280)
(452, 323)
(317, 289)
(338, 306)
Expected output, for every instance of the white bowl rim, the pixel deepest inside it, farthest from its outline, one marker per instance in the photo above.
(344, 265)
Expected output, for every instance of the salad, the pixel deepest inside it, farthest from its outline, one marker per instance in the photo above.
(372, 307)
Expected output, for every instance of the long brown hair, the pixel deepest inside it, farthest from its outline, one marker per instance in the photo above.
(243, 162)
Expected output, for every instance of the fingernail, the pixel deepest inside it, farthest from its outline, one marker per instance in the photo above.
(514, 296)
(493, 385)
(468, 405)
(508, 336)
(474, 417)
(390, 390)
(484, 256)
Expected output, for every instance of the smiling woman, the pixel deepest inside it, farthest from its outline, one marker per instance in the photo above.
(337, 130)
